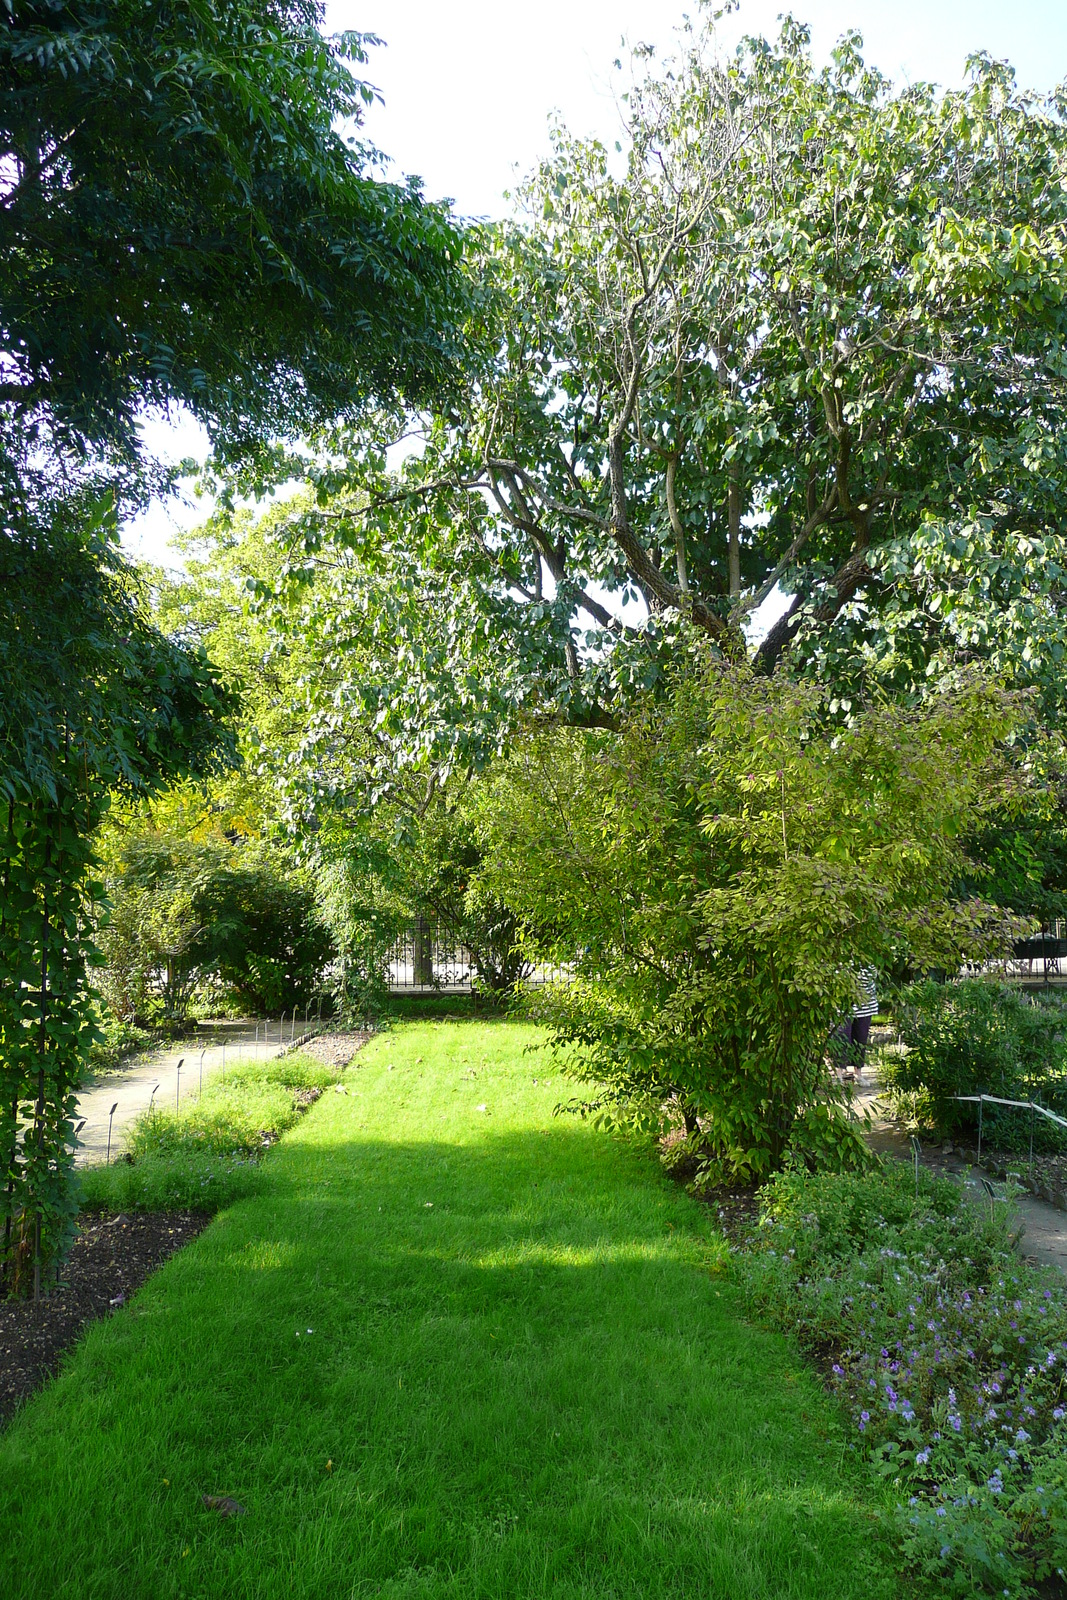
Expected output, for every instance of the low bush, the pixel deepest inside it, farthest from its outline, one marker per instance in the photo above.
(950, 1352)
(205, 1155)
(979, 1037)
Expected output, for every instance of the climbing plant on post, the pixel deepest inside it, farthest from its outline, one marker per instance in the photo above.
(46, 1017)
(95, 699)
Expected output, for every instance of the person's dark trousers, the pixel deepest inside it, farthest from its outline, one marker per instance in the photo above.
(851, 1042)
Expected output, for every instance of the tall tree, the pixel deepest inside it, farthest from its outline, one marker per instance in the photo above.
(807, 330)
(183, 217)
(180, 220)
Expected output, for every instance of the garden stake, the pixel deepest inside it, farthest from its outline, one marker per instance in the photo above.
(224, 1060)
(151, 1097)
(111, 1114)
(916, 1147)
(991, 1192)
(979, 1130)
(178, 1082)
(1031, 1140)
(200, 1090)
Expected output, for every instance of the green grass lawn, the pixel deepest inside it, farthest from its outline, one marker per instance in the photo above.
(453, 1347)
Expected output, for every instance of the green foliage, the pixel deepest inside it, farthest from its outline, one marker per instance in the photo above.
(116, 1040)
(190, 910)
(47, 1020)
(185, 219)
(89, 681)
(977, 1036)
(950, 1352)
(716, 875)
(808, 335)
(1024, 849)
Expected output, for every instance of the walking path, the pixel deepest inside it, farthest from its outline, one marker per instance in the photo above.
(215, 1046)
(1044, 1227)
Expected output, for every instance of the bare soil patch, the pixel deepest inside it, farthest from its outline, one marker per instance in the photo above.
(334, 1049)
(110, 1259)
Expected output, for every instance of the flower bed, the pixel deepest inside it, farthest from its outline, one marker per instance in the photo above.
(950, 1352)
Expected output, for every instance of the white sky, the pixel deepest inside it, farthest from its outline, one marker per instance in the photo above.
(469, 87)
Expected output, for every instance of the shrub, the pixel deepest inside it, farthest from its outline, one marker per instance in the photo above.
(979, 1036)
(716, 874)
(190, 910)
(950, 1352)
(116, 1040)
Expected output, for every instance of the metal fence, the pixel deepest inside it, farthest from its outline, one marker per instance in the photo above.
(983, 1100)
(430, 959)
(1041, 959)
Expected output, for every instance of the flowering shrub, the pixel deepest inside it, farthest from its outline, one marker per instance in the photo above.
(950, 1352)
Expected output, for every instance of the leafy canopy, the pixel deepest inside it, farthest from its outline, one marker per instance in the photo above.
(184, 217)
(805, 330)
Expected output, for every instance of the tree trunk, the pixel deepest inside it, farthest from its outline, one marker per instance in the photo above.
(422, 958)
(733, 518)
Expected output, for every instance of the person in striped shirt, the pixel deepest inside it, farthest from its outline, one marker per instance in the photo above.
(850, 1038)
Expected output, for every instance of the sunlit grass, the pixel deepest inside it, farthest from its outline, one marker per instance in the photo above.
(455, 1347)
